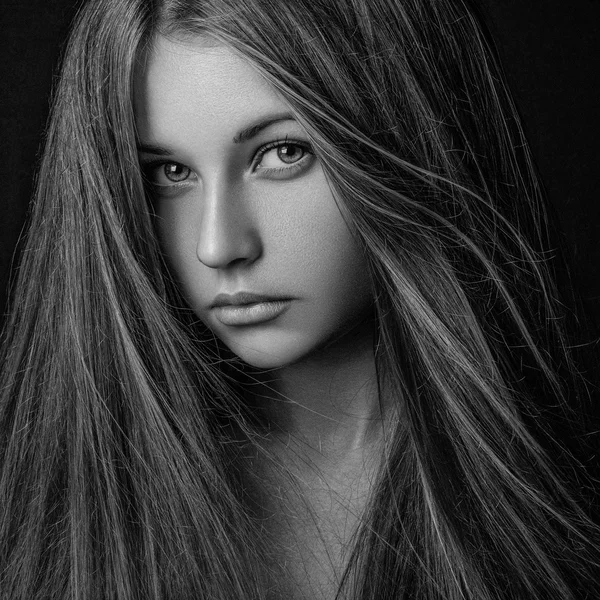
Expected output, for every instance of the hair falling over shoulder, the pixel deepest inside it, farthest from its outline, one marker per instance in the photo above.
(115, 479)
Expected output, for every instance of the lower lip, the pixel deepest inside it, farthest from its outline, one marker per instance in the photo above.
(251, 314)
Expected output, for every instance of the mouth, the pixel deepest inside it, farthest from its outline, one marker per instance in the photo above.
(245, 308)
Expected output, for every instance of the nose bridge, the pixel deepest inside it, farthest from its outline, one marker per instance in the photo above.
(227, 231)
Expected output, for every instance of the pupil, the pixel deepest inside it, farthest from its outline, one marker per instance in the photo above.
(175, 172)
(289, 153)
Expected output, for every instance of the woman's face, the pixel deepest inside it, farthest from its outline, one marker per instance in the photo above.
(245, 215)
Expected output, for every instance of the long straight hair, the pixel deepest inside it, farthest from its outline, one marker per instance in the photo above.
(114, 465)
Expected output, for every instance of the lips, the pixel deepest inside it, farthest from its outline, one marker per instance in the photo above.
(243, 299)
(245, 308)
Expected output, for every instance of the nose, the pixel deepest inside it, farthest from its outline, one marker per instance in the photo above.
(227, 234)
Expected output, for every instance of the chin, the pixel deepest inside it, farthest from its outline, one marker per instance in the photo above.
(277, 344)
(268, 351)
(266, 358)
(265, 361)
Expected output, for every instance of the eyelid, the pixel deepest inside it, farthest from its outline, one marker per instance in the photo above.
(306, 146)
(149, 166)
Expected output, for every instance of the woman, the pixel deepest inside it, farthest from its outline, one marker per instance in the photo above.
(285, 324)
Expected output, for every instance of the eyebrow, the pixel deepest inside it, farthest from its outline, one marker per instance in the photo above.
(253, 130)
(151, 149)
(242, 136)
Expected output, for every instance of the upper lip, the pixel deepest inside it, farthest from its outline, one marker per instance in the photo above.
(242, 298)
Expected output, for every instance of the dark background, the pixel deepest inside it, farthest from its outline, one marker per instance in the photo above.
(550, 50)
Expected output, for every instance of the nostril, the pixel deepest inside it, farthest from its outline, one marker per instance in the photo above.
(238, 261)
(227, 234)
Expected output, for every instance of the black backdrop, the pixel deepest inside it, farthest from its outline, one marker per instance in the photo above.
(550, 50)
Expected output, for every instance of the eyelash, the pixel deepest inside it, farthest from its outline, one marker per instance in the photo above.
(149, 167)
(280, 143)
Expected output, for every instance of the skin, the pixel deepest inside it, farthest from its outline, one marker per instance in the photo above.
(234, 226)
(230, 222)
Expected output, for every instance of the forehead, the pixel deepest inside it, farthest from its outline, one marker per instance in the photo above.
(189, 80)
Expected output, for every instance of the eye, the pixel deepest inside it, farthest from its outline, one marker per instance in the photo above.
(166, 173)
(285, 153)
(176, 172)
(283, 156)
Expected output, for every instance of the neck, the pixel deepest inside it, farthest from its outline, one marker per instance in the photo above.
(328, 401)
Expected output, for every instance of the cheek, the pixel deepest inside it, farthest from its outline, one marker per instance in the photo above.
(177, 234)
(317, 241)
(174, 229)
(309, 251)
(316, 249)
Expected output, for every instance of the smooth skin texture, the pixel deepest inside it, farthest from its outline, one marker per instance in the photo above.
(243, 205)
(234, 221)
